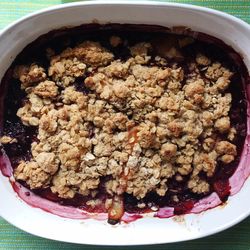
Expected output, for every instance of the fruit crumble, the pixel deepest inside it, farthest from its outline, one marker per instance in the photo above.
(124, 118)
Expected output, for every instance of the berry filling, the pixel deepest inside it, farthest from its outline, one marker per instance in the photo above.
(124, 118)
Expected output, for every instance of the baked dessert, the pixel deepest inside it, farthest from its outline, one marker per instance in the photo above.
(114, 118)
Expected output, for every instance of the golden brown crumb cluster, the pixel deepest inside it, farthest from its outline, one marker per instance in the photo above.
(138, 123)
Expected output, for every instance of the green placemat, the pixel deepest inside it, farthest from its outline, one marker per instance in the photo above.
(236, 238)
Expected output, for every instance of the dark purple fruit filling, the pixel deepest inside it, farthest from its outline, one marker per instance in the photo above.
(178, 195)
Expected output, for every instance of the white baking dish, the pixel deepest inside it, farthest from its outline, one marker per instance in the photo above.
(148, 230)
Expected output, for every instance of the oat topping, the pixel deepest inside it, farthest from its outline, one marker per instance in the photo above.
(135, 123)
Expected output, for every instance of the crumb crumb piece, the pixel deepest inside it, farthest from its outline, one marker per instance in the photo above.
(168, 150)
(202, 60)
(198, 186)
(34, 175)
(29, 75)
(7, 140)
(46, 89)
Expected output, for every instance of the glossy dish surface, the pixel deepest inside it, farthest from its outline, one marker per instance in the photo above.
(184, 202)
(124, 124)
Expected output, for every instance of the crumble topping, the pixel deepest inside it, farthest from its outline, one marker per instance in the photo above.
(139, 124)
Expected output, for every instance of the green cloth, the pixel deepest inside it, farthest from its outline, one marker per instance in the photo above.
(235, 238)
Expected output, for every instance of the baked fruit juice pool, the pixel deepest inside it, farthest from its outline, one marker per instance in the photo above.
(124, 119)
